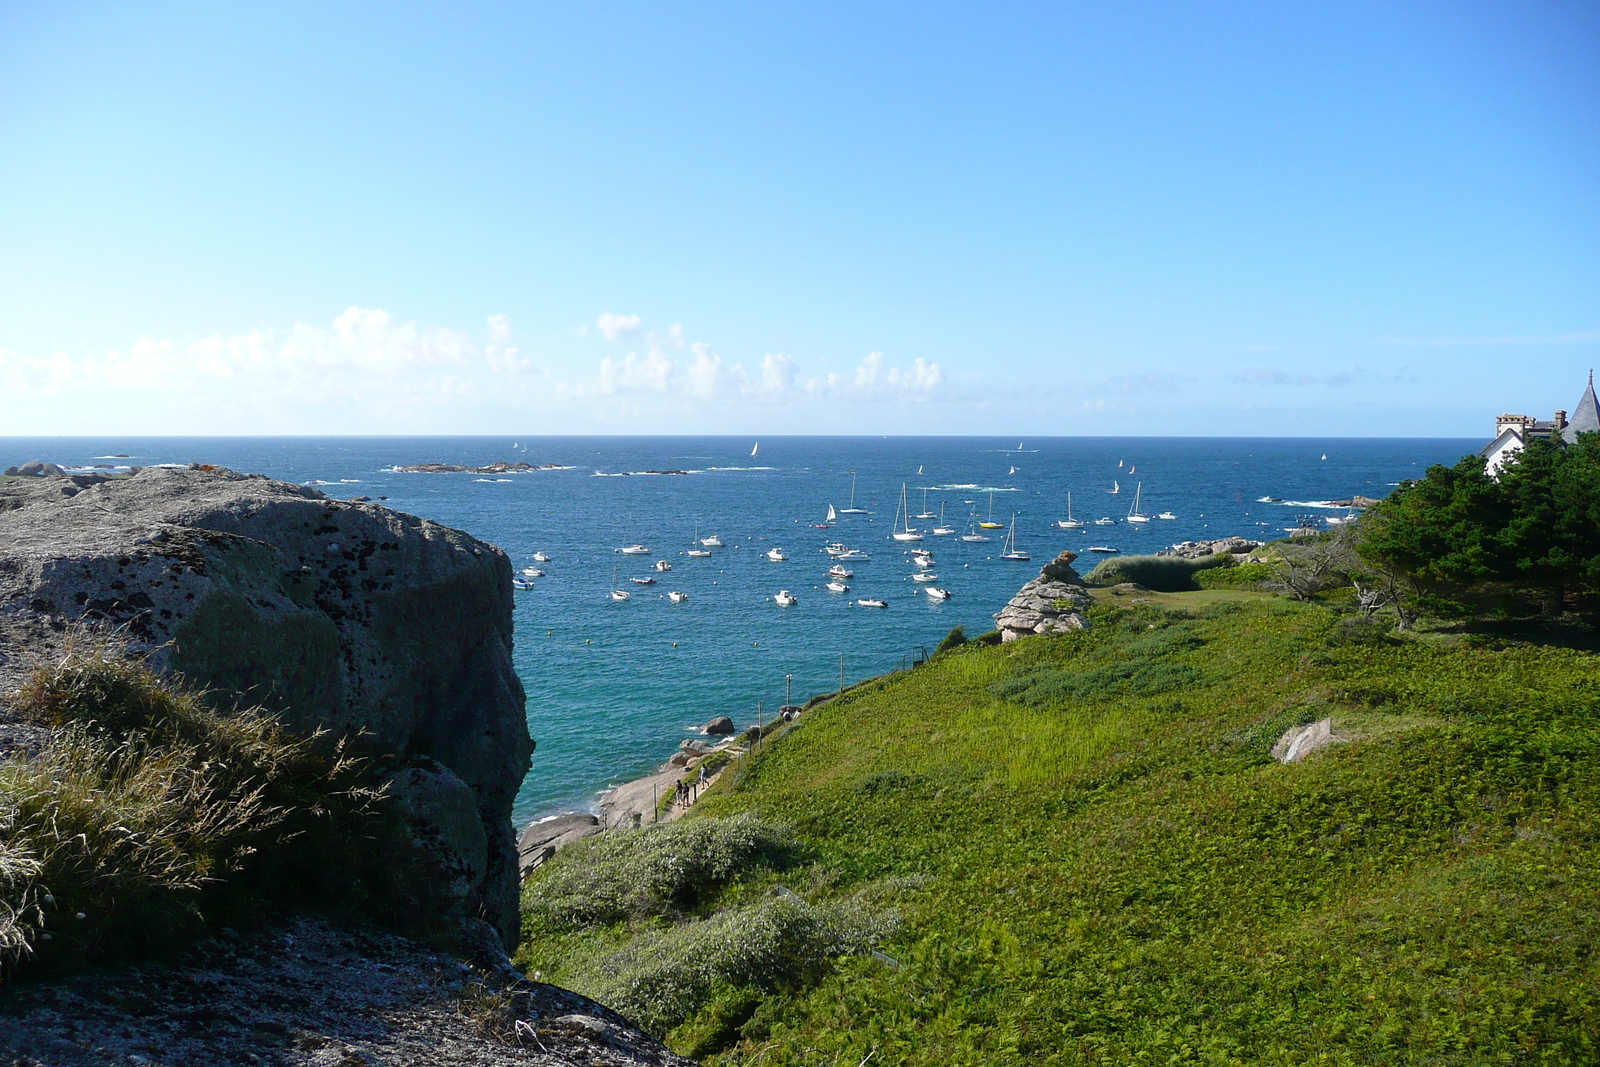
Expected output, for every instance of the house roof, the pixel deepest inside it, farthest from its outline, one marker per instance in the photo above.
(1506, 436)
(1586, 417)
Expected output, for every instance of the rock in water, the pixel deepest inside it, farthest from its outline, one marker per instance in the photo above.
(720, 725)
(333, 615)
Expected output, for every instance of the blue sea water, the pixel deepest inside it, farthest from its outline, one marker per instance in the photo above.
(613, 687)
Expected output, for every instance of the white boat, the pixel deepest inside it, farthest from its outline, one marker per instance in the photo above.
(1115, 488)
(1168, 516)
(989, 523)
(1070, 523)
(873, 602)
(922, 561)
(777, 555)
(827, 523)
(698, 553)
(837, 571)
(852, 509)
(972, 533)
(1134, 514)
(905, 532)
(541, 557)
(852, 554)
(1012, 552)
(755, 448)
(1106, 549)
(1010, 472)
(533, 572)
(712, 542)
(835, 548)
(634, 550)
(942, 530)
(642, 581)
(521, 583)
(663, 566)
(924, 576)
(1105, 520)
(925, 513)
(616, 593)
(785, 599)
(938, 594)
(838, 587)
(677, 597)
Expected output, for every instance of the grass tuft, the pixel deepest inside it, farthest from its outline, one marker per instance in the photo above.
(151, 813)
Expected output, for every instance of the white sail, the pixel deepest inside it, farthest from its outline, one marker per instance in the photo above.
(755, 448)
(832, 515)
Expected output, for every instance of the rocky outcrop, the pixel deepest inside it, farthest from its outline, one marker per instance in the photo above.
(312, 995)
(1049, 604)
(337, 616)
(1202, 549)
(718, 726)
(1298, 742)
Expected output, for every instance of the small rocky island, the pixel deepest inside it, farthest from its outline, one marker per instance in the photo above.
(497, 467)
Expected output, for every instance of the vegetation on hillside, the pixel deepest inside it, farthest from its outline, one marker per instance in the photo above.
(1461, 541)
(1078, 849)
(152, 813)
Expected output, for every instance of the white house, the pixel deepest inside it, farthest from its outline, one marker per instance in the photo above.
(1514, 431)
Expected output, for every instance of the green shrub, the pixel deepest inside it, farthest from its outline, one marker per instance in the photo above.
(1240, 576)
(954, 639)
(1164, 574)
(150, 813)
(652, 871)
(664, 975)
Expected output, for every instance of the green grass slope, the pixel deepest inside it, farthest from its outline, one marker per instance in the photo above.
(1091, 858)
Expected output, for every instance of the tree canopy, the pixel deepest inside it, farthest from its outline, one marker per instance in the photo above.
(1536, 525)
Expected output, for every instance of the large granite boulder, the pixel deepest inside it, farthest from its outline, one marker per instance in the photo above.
(1202, 549)
(337, 616)
(1049, 604)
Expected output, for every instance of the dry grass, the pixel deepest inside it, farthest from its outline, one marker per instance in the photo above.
(152, 812)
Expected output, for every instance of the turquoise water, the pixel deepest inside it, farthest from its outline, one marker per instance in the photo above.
(613, 687)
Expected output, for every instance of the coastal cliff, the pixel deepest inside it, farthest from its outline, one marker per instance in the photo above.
(335, 616)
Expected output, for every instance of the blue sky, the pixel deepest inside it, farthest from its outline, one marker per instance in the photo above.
(1185, 218)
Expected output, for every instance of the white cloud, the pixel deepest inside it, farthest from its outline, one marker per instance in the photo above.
(651, 374)
(615, 327)
(364, 353)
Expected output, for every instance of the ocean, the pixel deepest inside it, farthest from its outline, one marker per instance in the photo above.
(613, 687)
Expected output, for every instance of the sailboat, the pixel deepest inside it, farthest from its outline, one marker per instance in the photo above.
(827, 523)
(1133, 470)
(925, 513)
(1115, 487)
(1134, 514)
(905, 532)
(694, 546)
(755, 448)
(1010, 472)
(972, 533)
(941, 529)
(919, 468)
(1070, 523)
(1011, 552)
(618, 594)
(852, 509)
(989, 523)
